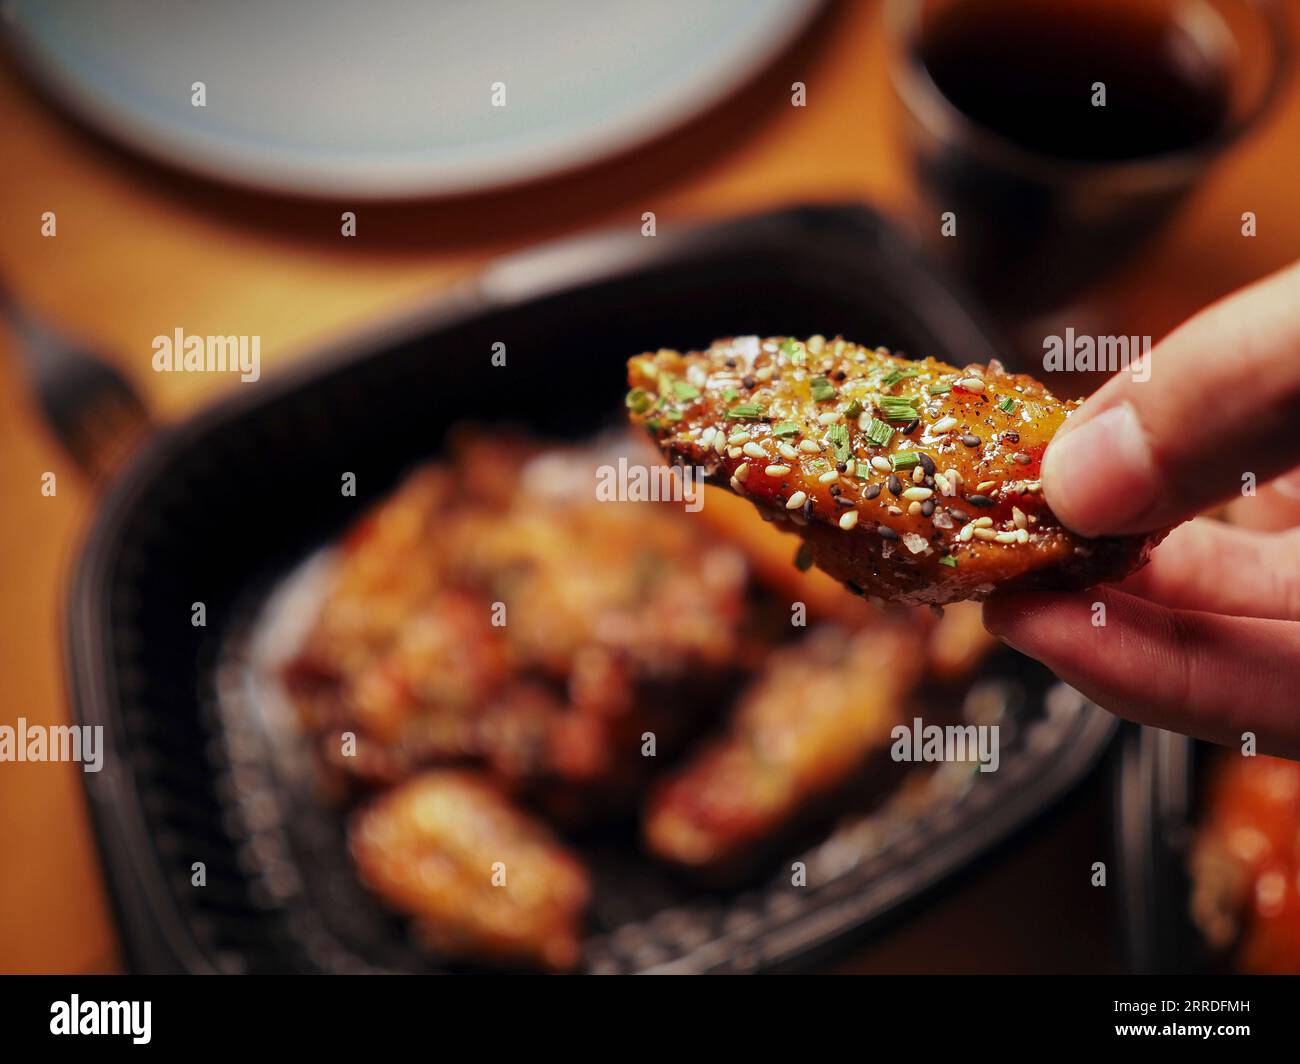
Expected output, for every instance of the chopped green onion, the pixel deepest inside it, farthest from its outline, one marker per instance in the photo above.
(899, 374)
(786, 428)
(897, 408)
(803, 558)
(949, 561)
(746, 412)
(653, 425)
(822, 389)
(639, 401)
(1008, 405)
(878, 433)
(674, 415)
(729, 394)
(940, 389)
(790, 347)
(864, 468)
(855, 408)
(685, 391)
(839, 439)
(904, 460)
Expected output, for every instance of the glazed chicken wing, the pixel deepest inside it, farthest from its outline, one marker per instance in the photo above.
(804, 728)
(911, 482)
(1246, 863)
(480, 878)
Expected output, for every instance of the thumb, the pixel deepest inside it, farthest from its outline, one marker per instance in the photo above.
(1221, 401)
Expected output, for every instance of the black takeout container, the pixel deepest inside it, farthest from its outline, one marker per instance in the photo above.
(219, 508)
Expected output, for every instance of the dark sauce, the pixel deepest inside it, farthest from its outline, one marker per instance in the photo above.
(1026, 70)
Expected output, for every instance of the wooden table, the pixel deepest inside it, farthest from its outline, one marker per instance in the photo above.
(140, 251)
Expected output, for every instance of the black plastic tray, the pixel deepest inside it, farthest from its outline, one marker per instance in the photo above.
(220, 508)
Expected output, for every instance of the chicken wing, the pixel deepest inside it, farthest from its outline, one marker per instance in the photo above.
(911, 482)
(1245, 864)
(804, 728)
(480, 878)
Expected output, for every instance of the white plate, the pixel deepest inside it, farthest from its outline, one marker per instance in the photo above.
(384, 98)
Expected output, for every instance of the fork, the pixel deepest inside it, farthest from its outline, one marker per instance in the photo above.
(90, 406)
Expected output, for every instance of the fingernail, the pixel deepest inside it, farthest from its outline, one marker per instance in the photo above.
(1100, 477)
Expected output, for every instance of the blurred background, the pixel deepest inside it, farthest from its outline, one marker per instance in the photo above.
(225, 219)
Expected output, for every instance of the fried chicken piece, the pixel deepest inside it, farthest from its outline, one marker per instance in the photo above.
(913, 483)
(543, 631)
(1245, 863)
(481, 879)
(803, 729)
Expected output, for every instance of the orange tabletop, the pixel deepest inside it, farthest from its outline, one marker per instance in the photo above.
(141, 251)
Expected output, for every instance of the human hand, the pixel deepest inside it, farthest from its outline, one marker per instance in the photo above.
(1206, 639)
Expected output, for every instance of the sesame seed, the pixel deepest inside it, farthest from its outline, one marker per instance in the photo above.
(958, 515)
(986, 486)
(841, 467)
(1022, 458)
(872, 491)
(917, 494)
(1011, 437)
(1022, 535)
(706, 438)
(753, 450)
(965, 534)
(914, 508)
(954, 477)
(797, 500)
(808, 508)
(843, 500)
(737, 438)
(720, 441)
(971, 440)
(941, 482)
(809, 446)
(787, 451)
(983, 522)
(734, 452)
(1004, 537)
(894, 484)
(927, 508)
(835, 489)
(848, 520)
(918, 474)
(943, 425)
(927, 463)
(763, 374)
(986, 534)
(1018, 516)
(777, 471)
(910, 427)
(971, 384)
(748, 381)
(742, 472)
(881, 464)
(979, 500)
(736, 485)
(828, 478)
(885, 532)
(829, 418)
